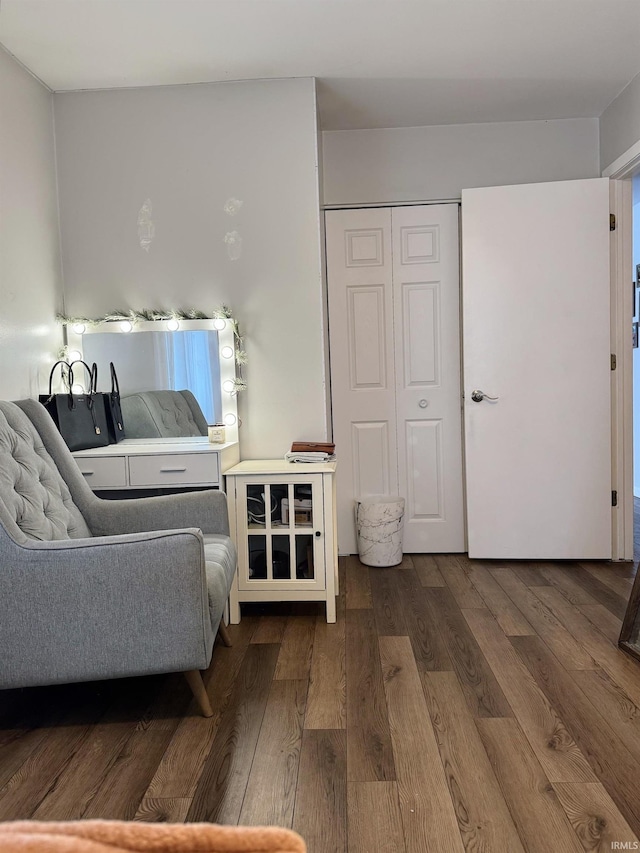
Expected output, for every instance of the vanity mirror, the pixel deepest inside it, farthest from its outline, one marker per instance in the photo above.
(158, 355)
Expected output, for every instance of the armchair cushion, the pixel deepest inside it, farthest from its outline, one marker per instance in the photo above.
(36, 499)
(220, 566)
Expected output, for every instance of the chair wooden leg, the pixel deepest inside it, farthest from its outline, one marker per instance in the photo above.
(224, 634)
(194, 679)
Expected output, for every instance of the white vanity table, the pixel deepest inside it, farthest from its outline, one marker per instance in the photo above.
(156, 463)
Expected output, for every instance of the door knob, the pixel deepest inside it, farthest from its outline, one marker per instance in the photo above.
(423, 404)
(479, 396)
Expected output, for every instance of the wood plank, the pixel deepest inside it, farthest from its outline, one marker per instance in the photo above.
(483, 817)
(570, 653)
(428, 645)
(370, 755)
(128, 777)
(427, 571)
(320, 814)
(271, 788)
(539, 817)
(554, 747)
(611, 575)
(604, 750)
(574, 592)
(601, 593)
(327, 698)
(594, 816)
(373, 813)
(604, 621)
(294, 660)
(357, 585)
(158, 810)
(83, 776)
(387, 603)
(270, 629)
(51, 752)
(481, 689)
(528, 573)
(177, 774)
(428, 815)
(407, 562)
(506, 613)
(221, 787)
(615, 706)
(464, 592)
(622, 669)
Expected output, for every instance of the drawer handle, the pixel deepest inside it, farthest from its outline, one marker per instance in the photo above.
(88, 473)
(173, 470)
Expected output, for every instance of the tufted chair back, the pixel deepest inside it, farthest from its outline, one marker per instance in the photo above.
(35, 501)
(162, 414)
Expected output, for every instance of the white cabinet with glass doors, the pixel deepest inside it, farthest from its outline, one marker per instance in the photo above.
(282, 518)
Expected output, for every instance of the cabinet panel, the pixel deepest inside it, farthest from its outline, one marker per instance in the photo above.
(104, 473)
(173, 469)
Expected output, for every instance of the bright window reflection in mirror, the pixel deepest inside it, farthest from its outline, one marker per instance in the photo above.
(151, 356)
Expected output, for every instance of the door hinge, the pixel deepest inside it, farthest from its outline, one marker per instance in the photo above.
(612, 222)
(614, 498)
(614, 361)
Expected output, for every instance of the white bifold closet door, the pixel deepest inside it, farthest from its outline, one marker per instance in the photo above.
(394, 329)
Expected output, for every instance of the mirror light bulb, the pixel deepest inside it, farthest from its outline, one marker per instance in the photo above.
(226, 352)
(126, 326)
(75, 355)
(228, 386)
(230, 419)
(79, 328)
(77, 389)
(219, 324)
(173, 325)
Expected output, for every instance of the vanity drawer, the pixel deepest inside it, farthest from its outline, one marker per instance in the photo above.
(102, 472)
(174, 469)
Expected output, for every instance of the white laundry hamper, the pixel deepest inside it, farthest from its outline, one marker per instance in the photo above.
(379, 523)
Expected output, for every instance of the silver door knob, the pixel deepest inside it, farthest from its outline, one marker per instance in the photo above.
(479, 396)
(423, 404)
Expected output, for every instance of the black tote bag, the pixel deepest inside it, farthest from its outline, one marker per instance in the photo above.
(115, 421)
(80, 418)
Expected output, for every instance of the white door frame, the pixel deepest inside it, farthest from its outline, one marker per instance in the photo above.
(620, 173)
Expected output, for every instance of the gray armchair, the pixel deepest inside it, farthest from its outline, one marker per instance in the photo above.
(162, 414)
(94, 589)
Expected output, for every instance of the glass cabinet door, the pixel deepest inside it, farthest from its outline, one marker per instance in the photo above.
(284, 531)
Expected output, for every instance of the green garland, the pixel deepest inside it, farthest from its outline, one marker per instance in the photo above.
(151, 314)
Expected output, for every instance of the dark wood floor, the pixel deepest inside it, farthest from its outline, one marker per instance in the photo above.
(454, 705)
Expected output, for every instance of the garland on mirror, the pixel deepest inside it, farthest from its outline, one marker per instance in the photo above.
(151, 314)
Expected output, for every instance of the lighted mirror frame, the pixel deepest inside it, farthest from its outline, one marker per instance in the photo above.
(75, 333)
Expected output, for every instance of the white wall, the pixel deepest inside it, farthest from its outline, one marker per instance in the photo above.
(620, 124)
(188, 149)
(30, 285)
(430, 163)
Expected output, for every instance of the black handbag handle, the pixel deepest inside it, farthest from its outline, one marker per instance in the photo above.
(69, 380)
(115, 385)
(93, 377)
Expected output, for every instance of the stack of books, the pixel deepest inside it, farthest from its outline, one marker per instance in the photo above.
(311, 451)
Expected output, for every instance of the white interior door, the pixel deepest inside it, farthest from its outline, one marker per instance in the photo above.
(536, 336)
(362, 360)
(394, 320)
(426, 288)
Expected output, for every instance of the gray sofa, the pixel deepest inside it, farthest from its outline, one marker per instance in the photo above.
(162, 414)
(97, 589)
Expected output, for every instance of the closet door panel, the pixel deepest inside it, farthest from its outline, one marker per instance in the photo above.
(362, 360)
(426, 285)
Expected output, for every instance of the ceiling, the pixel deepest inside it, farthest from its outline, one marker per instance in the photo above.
(379, 63)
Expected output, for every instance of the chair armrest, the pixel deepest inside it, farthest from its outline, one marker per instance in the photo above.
(206, 510)
(107, 607)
